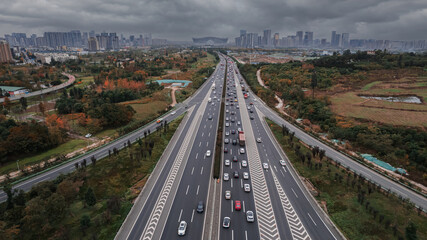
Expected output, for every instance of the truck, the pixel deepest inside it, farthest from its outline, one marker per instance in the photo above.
(241, 138)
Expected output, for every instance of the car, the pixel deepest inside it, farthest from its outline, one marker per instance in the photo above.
(226, 141)
(219, 100)
(228, 195)
(265, 165)
(252, 117)
(227, 124)
(225, 150)
(232, 113)
(214, 92)
(226, 111)
(234, 159)
(237, 106)
(200, 206)
(226, 104)
(258, 140)
(250, 216)
(251, 111)
(208, 153)
(88, 135)
(234, 141)
(182, 228)
(213, 104)
(242, 150)
(210, 117)
(232, 104)
(227, 162)
(227, 119)
(173, 113)
(226, 177)
(244, 163)
(238, 122)
(249, 107)
(251, 103)
(233, 131)
(247, 187)
(239, 129)
(226, 222)
(233, 120)
(245, 175)
(235, 99)
(237, 205)
(227, 133)
(282, 162)
(236, 174)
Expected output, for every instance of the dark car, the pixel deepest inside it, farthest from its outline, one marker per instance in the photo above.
(233, 131)
(234, 142)
(234, 159)
(236, 174)
(226, 150)
(200, 207)
(252, 117)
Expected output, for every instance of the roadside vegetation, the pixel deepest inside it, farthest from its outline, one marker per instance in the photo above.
(90, 203)
(323, 94)
(359, 208)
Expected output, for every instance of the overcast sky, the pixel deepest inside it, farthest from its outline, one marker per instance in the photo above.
(184, 19)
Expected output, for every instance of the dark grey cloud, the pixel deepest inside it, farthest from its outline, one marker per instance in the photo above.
(183, 19)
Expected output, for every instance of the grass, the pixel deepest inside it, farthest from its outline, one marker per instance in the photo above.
(64, 148)
(341, 199)
(368, 86)
(85, 81)
(123, 173)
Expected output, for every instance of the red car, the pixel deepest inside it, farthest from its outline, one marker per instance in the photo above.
(237, 205)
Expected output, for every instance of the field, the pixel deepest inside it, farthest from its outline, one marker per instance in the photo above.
(349, 104)
(339, 194)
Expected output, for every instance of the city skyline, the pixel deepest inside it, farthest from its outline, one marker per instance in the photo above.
(181, 20)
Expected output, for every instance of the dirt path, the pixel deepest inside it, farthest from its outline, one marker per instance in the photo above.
(173, 96)
(279, 106)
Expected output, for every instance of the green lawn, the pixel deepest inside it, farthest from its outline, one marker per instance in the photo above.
(61, 149)
(355, 221)
(368, 86)
(85, 81)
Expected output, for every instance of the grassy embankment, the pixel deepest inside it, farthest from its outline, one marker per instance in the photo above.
(380, 216)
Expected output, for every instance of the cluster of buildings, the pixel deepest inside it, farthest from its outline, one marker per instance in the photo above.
(80, 40)
(306, 40)
(5, 53)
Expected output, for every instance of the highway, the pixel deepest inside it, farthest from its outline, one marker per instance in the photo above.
(71, 80)
(345, 161)
(278, 199)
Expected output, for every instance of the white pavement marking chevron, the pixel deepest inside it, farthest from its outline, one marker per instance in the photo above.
(297, 228)
(264, 210)
(161, 201)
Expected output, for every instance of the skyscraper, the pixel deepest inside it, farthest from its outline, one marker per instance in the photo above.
(299, 38)
(308, 39)
(267, 37)
(93, 44)
(5, 53)
(345, 37)
(333, 38)
(276, 39)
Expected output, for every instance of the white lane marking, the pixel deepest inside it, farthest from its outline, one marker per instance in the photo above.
(231, 182)
(192, 170)
(282, 172)
(232, 206)
(179, 219)
(201, 171)
(197, 155)
(231, 165)
(204, 126)
(200, 144)
(273, 166)
(294, 192)
(209, 134)
(192, 215)
(207, 144)
(243, 206)
(312, 219)
(203, 134)
(211, 126)
(246, 235)
(231, 151)
(186, 192)
(197, 192)
(241, 183)
(232, 234)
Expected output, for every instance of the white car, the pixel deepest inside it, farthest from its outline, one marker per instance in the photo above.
(227, 162)
(173, 113)
(245, 175)
(282, 162)
(244, 163)
(227, 124)
(242, 150)
(88, 135)
(238, 122)
(250, 216)
(228, 195)
(265, 165)
(226, 177)
(182, 228)
(227, 133)
(247, 187)
(258, 140)
(208, 153)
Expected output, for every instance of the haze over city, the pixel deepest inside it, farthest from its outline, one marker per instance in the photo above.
(181, 20)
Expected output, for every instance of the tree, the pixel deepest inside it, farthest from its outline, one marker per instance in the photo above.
(42, 108)
(84, 223)
(90, 197)
(313, 81)
(411, 231)
(6, 103)
(23, 102)
(56, 207)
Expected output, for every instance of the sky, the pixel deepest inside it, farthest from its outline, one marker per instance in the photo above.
(184, 19)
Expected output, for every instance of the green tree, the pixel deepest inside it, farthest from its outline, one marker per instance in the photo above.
(90, 197)
(23, 102)
(411, 231)
(84, 223)
(56, 207)
(313, 81)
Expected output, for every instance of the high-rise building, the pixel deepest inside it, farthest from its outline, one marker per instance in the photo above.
(308, 39)
(267, 37)
(93, 44)
(5, 53)
(333, 37)
(276, 39)
(345, 38)
(337, 41)
(299, 38)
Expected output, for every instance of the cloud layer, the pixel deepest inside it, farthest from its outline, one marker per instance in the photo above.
(183, 19)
